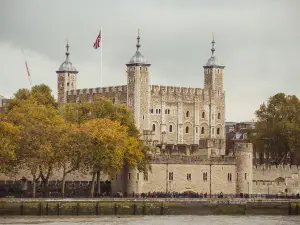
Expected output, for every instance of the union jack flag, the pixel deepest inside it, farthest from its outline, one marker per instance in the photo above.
(98, 40)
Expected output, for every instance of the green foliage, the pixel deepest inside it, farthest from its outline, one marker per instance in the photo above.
(278, 125)
(80, 113)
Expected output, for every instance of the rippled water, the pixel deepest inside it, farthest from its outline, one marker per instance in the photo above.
(153, 220)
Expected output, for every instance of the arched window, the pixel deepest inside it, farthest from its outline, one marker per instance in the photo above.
(219, 115)
(218, 130)
(202, 130)
(203, 115)
(187, 114)
(187, 130)
(153, 127)
(151, 111)
(166, 111)
(170, 128)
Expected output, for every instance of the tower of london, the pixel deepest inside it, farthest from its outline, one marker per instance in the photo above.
(186, 126)
(186, 129)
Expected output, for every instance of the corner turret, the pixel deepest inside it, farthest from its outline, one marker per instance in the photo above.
(66, 78)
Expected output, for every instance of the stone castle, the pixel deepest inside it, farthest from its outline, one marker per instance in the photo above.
(186, 126)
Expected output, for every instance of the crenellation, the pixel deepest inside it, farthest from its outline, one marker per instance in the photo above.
(193, 159)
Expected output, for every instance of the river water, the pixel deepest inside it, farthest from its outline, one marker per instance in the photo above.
(155, 220)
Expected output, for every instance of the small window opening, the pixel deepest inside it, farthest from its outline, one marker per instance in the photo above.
(202, 130)
(187, 130)
(153, 127)
(170, 128)
(187, 114)
(170, 175)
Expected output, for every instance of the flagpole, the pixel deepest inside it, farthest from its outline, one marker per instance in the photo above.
(101, 46)
(27, 69)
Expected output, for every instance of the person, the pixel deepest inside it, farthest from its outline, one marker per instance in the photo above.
(23, 187)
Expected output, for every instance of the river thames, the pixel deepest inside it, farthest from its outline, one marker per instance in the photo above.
(156, 220)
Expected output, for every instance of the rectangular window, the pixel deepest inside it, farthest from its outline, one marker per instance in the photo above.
(129, 176)
(137, 176)
(229, 176)
(245, 176)
(237, 176)
(146, 176)
(205, 176)
(189, 176)
(196, 130)
(170, 175)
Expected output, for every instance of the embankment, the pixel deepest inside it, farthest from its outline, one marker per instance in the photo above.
(78, 207)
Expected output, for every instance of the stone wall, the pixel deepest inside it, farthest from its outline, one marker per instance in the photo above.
(184, 114)
(118, 94)
(276, 179)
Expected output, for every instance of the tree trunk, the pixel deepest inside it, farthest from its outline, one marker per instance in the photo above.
(63, 185)
(98, 184)
(93, 185)
(33, 186)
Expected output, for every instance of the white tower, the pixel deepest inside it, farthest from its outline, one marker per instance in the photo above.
(138, 89)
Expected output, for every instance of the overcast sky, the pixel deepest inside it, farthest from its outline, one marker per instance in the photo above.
(257, 41)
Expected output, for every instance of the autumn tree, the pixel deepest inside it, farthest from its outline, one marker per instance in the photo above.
(72, 147)
(109, 143)
(9, 146)
(278, 126)
(79, 113)
(82, 112)
(35, 113)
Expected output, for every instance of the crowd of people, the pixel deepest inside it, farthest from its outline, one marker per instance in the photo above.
(23, 188)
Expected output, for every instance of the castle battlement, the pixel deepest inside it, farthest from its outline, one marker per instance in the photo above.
(194, 159)
(178, 90)
(278, 168)
(98, 90)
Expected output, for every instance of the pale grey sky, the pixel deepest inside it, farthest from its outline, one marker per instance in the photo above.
(257, 41)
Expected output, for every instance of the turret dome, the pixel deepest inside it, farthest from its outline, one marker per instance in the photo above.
(138, 57)
(212, 61)
(67, 66)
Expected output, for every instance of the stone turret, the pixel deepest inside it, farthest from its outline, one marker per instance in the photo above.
(66, 78)
(243, 152)
(138, 88)
(214, 85)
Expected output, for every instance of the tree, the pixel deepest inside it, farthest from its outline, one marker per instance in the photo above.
(9, 137)
(109, 144)
(278, 126)
(35, 112)
(79, 113)
(71, 148)
(40, 93)
(40, 130)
